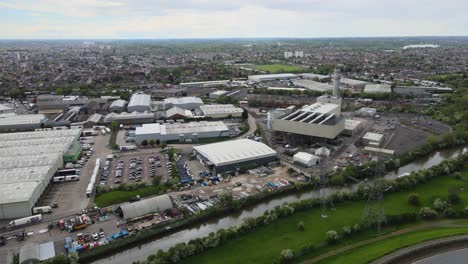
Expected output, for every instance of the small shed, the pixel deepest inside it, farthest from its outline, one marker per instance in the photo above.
(144, 207)
(305, 159)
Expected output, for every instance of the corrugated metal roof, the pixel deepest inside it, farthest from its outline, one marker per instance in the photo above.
(147, 206)
(140, 99)
(229, 152)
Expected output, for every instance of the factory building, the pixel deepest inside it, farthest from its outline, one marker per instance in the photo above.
(377, 88)
(305, 159)
(130, 118)
(189, 103)
(217, 94)
(178, 113)
(272, 77)
(6, 109)
(145, 207)
(221, 111)
(313, 122)
(181, 132)
(118, 106)
(28, 160)
(21, 122)
(313, 85)
(313, 76)
(352, 127)
(233, 155)
(139, 103)
(372, 139)
(422, 91)
(354, 84)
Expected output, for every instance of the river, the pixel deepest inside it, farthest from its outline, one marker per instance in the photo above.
(141, 252)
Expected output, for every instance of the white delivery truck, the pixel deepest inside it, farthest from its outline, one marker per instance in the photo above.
(42, 210)
(26, 220)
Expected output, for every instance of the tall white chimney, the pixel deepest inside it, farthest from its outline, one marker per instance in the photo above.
(336, 83)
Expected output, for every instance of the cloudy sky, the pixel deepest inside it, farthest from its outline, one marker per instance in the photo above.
(120, 19)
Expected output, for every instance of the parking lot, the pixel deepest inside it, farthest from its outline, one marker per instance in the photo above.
(71, 196)
(134, 167)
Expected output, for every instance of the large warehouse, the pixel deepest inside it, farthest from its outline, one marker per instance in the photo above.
(28, 160)
(316, 121)
(21, 122)
(118, 106)
(139, 103)
(181, 131)
(231, 155)
(221, 110)
(272, 77)
(146, 206)
(130, 118)
(188, 103)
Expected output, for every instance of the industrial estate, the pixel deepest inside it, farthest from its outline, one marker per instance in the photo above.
(283, 154)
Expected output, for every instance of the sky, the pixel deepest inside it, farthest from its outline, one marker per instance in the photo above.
(162, 19)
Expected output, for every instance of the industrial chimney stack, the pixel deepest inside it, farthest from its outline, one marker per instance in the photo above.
(336, 83)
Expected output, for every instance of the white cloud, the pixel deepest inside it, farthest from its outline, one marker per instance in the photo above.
(242, 18)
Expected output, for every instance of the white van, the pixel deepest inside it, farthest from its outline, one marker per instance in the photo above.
(42, 210)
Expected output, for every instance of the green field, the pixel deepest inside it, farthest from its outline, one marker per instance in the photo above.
(367, 253)
(116, 197)
(264, 244)
(279, 68)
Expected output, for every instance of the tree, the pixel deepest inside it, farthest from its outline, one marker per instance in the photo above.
(144, 143)
(163, 144)
(413, 199)
(440, 205)
(245, 114)
(152, 142)
(114, 126)
(337, 180)
(156, 180)
(427, 213)
(453, 197)
(158, 142)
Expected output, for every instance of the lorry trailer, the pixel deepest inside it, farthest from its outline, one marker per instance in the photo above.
(26, 220)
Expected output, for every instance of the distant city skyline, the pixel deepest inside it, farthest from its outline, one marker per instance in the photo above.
(162, 19)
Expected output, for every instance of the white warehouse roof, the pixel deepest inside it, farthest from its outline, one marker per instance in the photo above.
(220, 109)
(146, 206)
(377, 88)
(229, 152)
(183, 100)
(12, 120)
(181, 128)
(140, 100)
(266, 77)
(373, 136)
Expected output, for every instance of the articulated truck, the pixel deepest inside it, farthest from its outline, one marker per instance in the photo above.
(26, 220)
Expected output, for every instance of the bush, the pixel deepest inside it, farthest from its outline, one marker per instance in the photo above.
(413, 199)
(332, 236)
(286, 255)
(144, 143)
(347, 230)
(440, 205)
(427, 213)
(300, 226)
(337, 180)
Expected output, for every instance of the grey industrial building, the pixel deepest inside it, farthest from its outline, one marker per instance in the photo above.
(272, 77)
(28, 160)
(232, 155)
(421, 91)
(221, 111)
(118, 106)
(311, 123)
(6, 109)
(130, 118)
(139, 103)
(145, 207)
(188, 102)
(191, 131)
(21, 122)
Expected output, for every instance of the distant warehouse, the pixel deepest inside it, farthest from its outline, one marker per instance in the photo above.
(232, 155)
(139, 103)
(28, 160)
(181, 132)
(21, 122)
(189, 103)
(221, 111)
(272, 77)
(118, 106)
